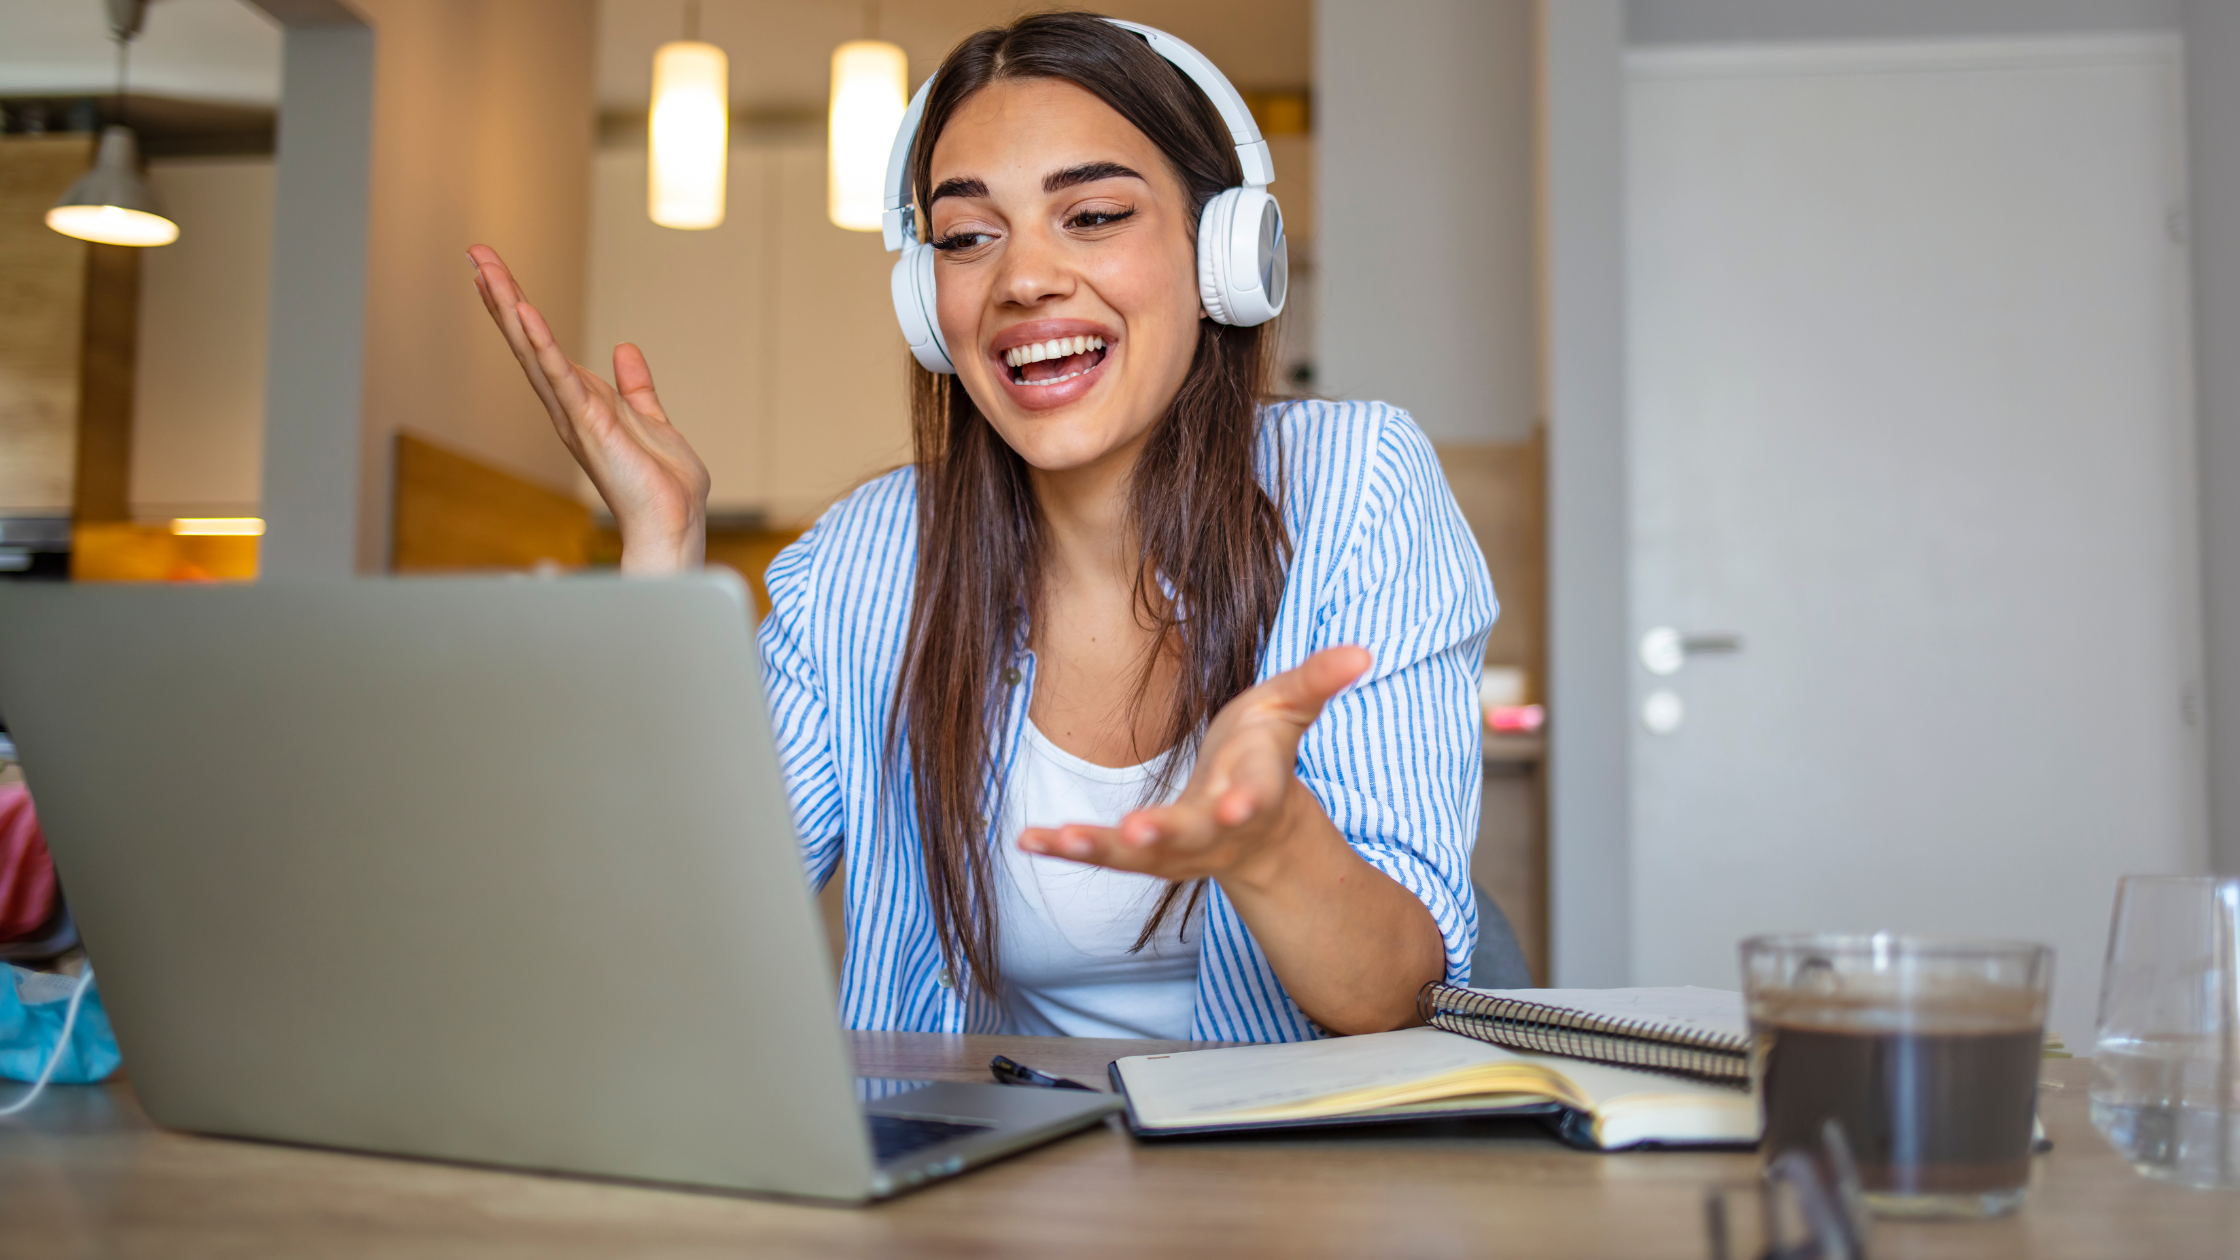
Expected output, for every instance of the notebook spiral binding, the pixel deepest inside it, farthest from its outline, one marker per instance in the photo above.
(1543, 1029)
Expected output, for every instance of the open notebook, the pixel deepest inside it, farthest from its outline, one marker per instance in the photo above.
(1420, 1073)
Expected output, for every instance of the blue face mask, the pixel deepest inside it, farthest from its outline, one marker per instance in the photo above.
(52, 1027)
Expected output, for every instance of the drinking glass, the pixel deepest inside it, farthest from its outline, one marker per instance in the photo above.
(1924, 1050)
(2168, 1042)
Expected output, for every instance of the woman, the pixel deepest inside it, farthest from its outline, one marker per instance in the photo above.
(1071, 692)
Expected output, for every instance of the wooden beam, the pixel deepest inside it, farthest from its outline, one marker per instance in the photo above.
(106, 374)
(42, 289)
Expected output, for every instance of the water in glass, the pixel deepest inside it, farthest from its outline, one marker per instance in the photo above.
(2168, 1047)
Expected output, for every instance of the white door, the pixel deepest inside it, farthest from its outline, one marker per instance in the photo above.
(1911, 417)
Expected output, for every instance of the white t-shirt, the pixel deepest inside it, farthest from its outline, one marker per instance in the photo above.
(1063, 929)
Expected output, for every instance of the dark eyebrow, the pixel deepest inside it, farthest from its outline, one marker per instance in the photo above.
(1087, 173)
(958, 188)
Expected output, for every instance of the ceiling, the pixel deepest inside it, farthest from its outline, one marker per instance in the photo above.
(208, 50)
(226, 51)
(781, 50)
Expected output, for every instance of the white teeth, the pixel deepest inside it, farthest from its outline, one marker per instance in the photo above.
(1055, 348)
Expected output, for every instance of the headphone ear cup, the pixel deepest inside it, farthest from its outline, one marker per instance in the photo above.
(1243, 263)
(911, 286)
(1213, 255)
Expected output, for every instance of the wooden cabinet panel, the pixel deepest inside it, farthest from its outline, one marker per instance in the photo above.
(42, 291)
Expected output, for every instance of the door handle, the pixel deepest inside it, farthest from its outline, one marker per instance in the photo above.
(1664, 649)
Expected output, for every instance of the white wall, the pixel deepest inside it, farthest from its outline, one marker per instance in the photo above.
(1924, 462)
(1747, 21)
(1424, 126)
(436, 124)
(2211, 29)
(483, 131)
(1589, 848)
(198, 404)
(2213, 81)
(771, 337)
(315, 365)
(222, 50)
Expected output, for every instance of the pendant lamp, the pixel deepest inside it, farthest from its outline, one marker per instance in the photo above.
(870, 90)
(112, 204)
(688, 131)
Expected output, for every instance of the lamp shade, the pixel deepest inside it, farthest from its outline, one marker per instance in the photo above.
(112, 204)
(688, 130)
(869, 92)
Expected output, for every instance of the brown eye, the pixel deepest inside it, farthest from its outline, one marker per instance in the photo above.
(961, 240)
(1099, 218)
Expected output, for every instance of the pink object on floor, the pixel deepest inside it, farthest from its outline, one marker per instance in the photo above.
(27, 888)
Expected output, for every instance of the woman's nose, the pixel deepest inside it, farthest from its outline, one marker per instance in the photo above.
(1034, 270)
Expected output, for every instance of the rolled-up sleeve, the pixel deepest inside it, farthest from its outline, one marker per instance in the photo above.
(1396, 759)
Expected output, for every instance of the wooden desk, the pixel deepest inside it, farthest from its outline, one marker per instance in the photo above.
(85, 1174)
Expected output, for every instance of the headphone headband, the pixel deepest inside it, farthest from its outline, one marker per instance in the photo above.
(895, 222)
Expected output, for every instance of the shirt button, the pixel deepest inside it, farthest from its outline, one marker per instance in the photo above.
(943, 979)
(1011, 676)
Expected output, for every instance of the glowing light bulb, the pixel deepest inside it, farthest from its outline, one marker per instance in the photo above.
(218, 526)
(111, 204)
(869, 92)
(688, 131)
(112, 225)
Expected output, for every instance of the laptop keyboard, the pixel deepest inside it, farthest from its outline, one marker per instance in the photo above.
(893, 1137)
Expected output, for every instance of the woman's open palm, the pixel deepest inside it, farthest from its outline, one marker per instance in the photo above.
(643, 468)
(1241, 790)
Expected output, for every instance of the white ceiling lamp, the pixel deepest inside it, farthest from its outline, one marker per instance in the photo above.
(688, 130)
(870, 89)
(112, 204)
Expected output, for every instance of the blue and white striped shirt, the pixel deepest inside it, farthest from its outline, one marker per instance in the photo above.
(1381, 558)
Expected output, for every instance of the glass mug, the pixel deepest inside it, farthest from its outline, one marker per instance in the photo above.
(1924, 1050)
(2166, 1060)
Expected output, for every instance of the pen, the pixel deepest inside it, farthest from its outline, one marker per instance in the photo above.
(1008, 1071)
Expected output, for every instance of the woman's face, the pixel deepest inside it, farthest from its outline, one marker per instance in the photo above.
(1066, 277)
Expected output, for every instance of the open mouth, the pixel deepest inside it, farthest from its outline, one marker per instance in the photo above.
(1053, 361)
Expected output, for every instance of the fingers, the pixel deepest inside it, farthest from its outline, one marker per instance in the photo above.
(1078, 842)
(634, 380)
(502, 297)
(500, 292)
(1315, 680)
(1109, 848)
(567, 383)
(1171, 841)
(1178, 826)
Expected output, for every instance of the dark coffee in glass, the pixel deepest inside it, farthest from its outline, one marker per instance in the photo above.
(1926, 1052)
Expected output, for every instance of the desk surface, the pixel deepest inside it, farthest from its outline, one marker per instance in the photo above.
(84, 1173)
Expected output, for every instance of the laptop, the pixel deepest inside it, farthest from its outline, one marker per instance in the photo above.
(496, 870)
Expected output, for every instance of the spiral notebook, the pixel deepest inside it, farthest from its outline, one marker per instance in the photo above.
(1695, 1032)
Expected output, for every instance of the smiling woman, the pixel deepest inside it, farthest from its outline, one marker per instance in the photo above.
(1138, 706)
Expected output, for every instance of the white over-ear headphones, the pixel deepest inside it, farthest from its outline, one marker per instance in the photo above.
(1243, 268)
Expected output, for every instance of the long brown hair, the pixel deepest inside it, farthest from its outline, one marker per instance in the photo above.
(1211, 544)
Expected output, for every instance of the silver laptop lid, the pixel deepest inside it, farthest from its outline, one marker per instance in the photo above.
(487, 869)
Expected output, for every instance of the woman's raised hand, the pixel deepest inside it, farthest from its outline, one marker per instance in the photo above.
(645, 470)
(1350, 944)
(1243, 809)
